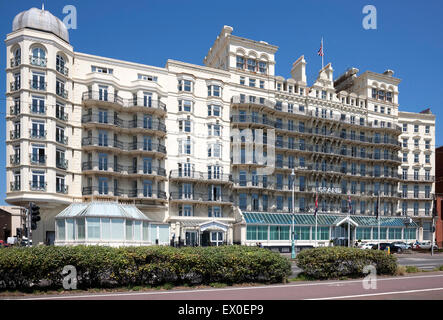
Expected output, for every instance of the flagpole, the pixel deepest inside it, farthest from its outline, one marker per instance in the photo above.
(323, 53)
(316, 212)
(349, 225)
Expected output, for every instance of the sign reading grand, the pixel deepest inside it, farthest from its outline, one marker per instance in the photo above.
(329, 190)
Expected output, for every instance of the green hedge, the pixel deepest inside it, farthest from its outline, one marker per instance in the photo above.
(337, 262)
(99, 266)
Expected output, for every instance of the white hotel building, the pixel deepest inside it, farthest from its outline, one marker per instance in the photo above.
(82, 127)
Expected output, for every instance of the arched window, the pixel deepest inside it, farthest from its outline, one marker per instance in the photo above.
(38, 57)
(16, 60)
(60, 65)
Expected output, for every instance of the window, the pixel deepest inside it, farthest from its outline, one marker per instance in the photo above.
(184, 125)
(242, 80)
(214, 91)
(38, 81)
(262, 84)
(262, 66)
(147, 77)
(60, 64)
(427, 129)
(405, 127)
(214, 150)
(279, 202)
(185, 105)
(103, 185)
(102, 70)
(252, 65)
(38, 105)
(240, 62)
(38, 57)
(242, 201)
(60, 184)
(214, 110)
(416, 141)
(405, 142)
(416, 155)
(427, 158)
(185, 85)
(214, 211)
(415, 128)
(427, 144)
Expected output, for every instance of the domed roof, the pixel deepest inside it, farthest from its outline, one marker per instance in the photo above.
(42, 20)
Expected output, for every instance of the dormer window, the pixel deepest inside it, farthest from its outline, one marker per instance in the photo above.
(101, 70)
(262, 66)
(240, 62)
(252, 65)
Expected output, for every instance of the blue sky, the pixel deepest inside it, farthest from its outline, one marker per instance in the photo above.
(407, 39)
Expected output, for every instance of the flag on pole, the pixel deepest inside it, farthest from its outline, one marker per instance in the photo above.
(316, 204)
(320, 51)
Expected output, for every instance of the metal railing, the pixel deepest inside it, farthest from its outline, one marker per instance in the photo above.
(62, 69)
(37, 109)
(15, 62)
(61, 189)
(38, 134)
(37, 159)
(37, 85)
(37, 186)
(200, 196)
(14, 186)
(37, 61)
(14, 159)
(61, 164)
(133, 102)
(14, 85)
(62, 93)
(203, 176)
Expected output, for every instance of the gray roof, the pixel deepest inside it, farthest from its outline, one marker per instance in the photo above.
(97, 209)
(42, 20)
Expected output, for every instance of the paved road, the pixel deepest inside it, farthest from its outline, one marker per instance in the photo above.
(420, 286)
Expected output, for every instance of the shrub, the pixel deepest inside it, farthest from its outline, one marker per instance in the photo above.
(412, 269)
(339, 262)
(99, 266)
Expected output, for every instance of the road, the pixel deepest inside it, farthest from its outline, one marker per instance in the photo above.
(417, 286)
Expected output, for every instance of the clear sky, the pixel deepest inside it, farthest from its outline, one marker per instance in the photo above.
(408, 38)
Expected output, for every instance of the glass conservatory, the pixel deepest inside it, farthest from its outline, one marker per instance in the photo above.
(107, 223)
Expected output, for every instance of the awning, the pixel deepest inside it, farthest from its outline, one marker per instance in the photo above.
(205, 225)
(270, 218)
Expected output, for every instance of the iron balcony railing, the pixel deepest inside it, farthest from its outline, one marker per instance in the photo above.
(61, 163)
(131, 193)
(62, 69)
(37, 85)
(14, 85)
(15, 109)
(37, 159)
(61, 188)
(15, 62)
(14, 186)
(37, 134)
(61, 139)
(37, 185)
(62, 93)
(197, 175)
(101, 166)
(113, 98)
(37, 109)
(14, 159)
(61, 115)
(420, 178)
(37, 61)
(15, 134)
(194, 196)
(415, 195)
(132, 146)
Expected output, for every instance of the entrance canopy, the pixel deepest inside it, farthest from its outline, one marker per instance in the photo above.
(346, 220)
(270, 218)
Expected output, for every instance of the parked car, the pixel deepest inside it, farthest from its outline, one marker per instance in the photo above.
(399, 246)
(425, 245)
(383, 246)
(366, 246)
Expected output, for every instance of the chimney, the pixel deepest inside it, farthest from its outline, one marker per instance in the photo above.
(298, 71)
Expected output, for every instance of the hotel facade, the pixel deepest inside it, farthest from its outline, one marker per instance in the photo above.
(223, 153)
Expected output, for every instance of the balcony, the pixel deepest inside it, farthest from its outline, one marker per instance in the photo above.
(37, 85)
(37, 134)
(417, 178)
(14, 159)
(62, 69)
(14, 86)
(37, 186)
(61, 115)
(61, 164)
(61, 139)
(61, 93)
(201, 197)
(15, 110)
(14, 186)
(37, 109)
(158, 171)
(15, 134)
(61, 188)
(251, 119)
(102, 96)
(146, 193)
(36, 159)
(203, 177)
(15, 62)
(149, 104)
(37, 61)
(413, 195)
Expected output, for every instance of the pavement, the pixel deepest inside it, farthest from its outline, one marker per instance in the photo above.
(427, 286)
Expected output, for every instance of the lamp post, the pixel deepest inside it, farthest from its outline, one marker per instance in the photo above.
(293, 212)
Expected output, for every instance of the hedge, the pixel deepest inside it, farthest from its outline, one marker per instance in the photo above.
(99, 266)
(338, 262)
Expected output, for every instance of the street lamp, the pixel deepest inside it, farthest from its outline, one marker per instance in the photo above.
(293, 212)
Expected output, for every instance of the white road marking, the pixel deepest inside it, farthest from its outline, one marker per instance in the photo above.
(377, 294)
(319, 283)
